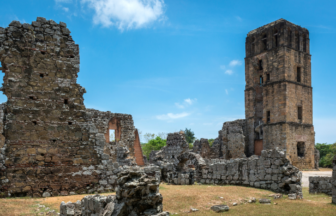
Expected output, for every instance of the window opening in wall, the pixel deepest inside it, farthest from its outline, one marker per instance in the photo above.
(300, 112)
(112, 135)
(260, 80)
(260, 65)
(43, 52)
(297, 41)
(298, 74)
(268, 77)
(268, 116)
(69, 123)
(300, 149)
(276, 38)
(173, 156)
(253, 46)
(34, 122)
(264, 40)
(32, 98)
(304, 41)
(289, 38)
(65, 101)
(41, 75)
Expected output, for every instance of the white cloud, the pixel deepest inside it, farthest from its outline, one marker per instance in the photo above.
(189, 101)
(65, 9)
(229, 72)
(222, 67)
(171, 116)
(125, 14)
(179, 105)
(226, 91)
(235, 63)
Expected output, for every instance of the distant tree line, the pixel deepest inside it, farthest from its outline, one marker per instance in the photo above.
(327, 153)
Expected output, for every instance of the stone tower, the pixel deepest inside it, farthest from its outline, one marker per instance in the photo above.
(278, 93)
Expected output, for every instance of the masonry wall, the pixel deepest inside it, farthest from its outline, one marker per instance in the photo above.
(333, 181)
(320, 184)
(275, 54)
(52, 143)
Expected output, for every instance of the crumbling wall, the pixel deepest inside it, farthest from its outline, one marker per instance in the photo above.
(203, 148)
(320, 184)
(176, 144)
(233, 137)
(272, 170)
(136, 194)
(51, 144)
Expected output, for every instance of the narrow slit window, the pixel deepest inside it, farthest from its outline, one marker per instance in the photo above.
(268, 116)
(289, 38)
(276, 39)
(264, 41)
(298, 74)
(34, 122)
(268, 77)
(41, 75)
(260, 80)
(297, 41)
(304, 41)
(32, 98)
(65, 101)
(260, 65)
(112, 135)
(301, 149)
(300, 113)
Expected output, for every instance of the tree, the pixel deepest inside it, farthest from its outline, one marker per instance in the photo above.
(189, 135)
(327, 153)
(154, 144)
(148, 137)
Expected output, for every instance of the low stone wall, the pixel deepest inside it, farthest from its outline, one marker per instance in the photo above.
(272, 170)
(320, 184)
(136, 194)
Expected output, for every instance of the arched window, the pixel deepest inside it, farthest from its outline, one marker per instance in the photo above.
(264, 42)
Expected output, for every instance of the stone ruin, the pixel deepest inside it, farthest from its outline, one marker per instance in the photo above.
(136, 194)
(272, 170)
(333, 181)
(50, 143)
(229, 144)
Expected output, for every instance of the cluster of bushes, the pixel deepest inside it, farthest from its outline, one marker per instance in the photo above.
(327, 153)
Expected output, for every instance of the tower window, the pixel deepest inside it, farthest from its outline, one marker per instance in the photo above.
(268, 77)
(264, 41)
(268, 116)
(297, 41)
(260, 80)
(41, 75)
(300, 112)
(69, 123)
(260, 64)
(276, 42)
(65, 101)
(289, 38)
(298, 74)
(300, 149)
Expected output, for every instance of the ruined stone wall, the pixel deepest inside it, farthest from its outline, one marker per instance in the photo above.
(136, 194)
(278, 85)
(176, 144)
(53, 144)
(271, 171)
(320, 184)
(202, 147)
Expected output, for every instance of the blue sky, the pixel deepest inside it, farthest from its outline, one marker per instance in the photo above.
(174, 64)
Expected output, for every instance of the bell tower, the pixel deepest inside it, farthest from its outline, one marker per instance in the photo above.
(278, 92)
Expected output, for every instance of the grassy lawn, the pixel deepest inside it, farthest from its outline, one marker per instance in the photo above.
(179, 200)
